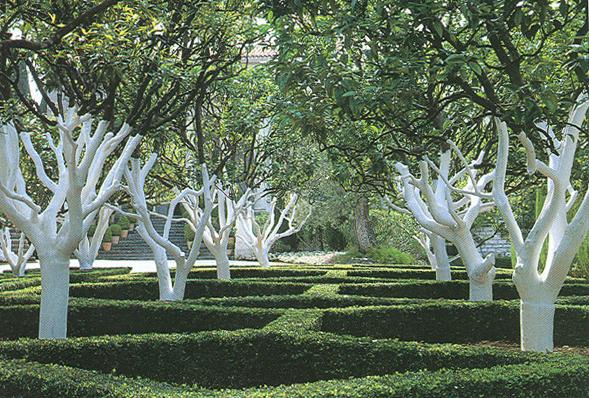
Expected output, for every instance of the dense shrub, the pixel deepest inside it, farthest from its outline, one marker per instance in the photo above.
(456, 322)
(250, 358)
(560, 377)
(107, 235)
(251, 273)
(401, 273)
(390, 254)
(303, 301)
(102, 317)
(148, 290)
(124, 223)
(445, 290)
(115, 229)
(32, 380)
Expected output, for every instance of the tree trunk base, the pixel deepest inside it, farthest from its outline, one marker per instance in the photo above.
(537, 326)
(481, 291)
(55, 278)
(443, 274)
(223, 270)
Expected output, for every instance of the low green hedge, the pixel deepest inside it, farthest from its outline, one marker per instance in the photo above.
(148, 290)
(211, 273)
(302, 301)
(248, 358)
(87, 317)
(559, 377)
(33, 380)
(456, 322)
(416, 274)
(502, 290)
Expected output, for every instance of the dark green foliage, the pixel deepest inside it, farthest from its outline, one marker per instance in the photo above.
(107, 235)
(560, 377)
(32, 380)
(211, 273)
(148, 290)
(324, 326)
(124, 223)
(250, 358)
(94, 317)
(415, 274)
(447, 290)
(390, 254)
(188, 233)
(115, 229)
(457, 322)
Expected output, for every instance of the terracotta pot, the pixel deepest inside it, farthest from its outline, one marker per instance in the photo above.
(106, 246)
(115, 240)
(124, 233)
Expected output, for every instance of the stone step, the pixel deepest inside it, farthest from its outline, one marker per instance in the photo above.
(134, 248)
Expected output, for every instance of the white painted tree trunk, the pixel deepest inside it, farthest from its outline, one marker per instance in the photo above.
(444, 218)
(74, 198)
(55, 274)
(539, 288)
(481, 272)
(17, 261)
(223, 268)
(263, 256)
(88, 248)
(161, 245)
(537, 326)
(261, 239)
(216, 237)
(442, 261)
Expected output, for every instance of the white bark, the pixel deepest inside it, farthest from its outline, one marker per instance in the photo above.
(437, 254)
(538, 289)
(261, 239)
(438, 213)
(17, 261)
(77, 194)
(88, 248)
(55, 278)
(160, 244)
(216, 235)
(432, 244)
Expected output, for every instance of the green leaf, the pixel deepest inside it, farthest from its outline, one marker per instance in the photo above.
(455, 59)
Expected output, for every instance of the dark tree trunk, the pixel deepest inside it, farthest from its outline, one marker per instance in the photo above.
(364, 231)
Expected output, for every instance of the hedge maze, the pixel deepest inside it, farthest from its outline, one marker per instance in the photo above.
(304, 331)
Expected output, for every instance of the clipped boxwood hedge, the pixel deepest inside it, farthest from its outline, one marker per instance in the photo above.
(557, 377)
(211, 273)
(417, 274)
(107, 317)
(303, 301)
(456, 322)
(445, 290)
(560, 377)
(247, 358)
(33, 380)
(148, 289)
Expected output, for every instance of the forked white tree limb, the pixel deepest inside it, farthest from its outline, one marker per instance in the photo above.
(538, 289)
(16, 260)
(217, 233)
(433, 245)
(160, 243)
(437, 212)
(89, 246)
(77, 192)
(261, 238)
